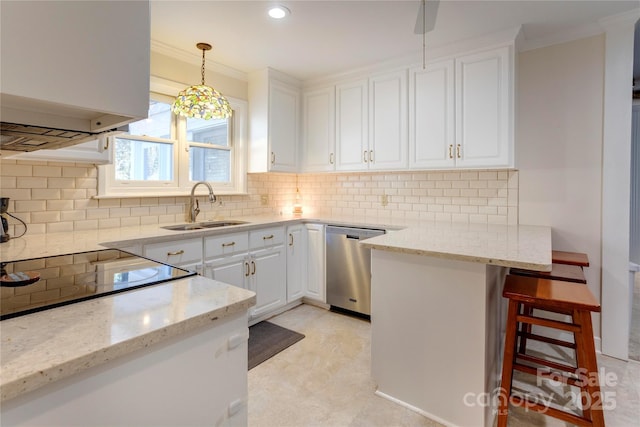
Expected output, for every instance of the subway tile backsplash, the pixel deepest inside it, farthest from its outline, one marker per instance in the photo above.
(52, 197)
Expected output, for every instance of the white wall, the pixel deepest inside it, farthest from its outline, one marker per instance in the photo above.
(559, 146)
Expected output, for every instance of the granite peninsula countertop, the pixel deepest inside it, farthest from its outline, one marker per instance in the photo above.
(50, 345)
(519, 246)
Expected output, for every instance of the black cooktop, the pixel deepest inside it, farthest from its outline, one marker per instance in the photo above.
(37, 284)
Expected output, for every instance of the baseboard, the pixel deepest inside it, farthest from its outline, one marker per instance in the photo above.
(315, 303)
(271, 314)
(414, 409)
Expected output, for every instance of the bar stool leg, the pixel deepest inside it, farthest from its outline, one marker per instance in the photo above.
(507, 363)
(525, 328)
(586, 356)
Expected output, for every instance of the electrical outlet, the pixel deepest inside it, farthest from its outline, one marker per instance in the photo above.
(264, 199)
(384, 200)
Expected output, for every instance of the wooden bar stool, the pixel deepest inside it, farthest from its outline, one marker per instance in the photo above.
(558, 297)
(561, 272)
(570, 258)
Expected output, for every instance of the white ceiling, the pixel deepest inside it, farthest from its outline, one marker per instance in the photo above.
(320, 38)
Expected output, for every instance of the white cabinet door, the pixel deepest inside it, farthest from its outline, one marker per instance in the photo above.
(388, 143)
(296, 262)
(484, 105)
(352, 137)
(319, 130)
(431, 116)
(268, 280)
(233, 270)
(284, 107)
(274, 128)
(315, 274)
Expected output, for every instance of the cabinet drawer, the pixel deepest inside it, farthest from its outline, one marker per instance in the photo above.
(266, 237)
(175, 253)
(227, 244)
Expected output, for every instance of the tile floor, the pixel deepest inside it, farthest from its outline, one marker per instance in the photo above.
(324, 380)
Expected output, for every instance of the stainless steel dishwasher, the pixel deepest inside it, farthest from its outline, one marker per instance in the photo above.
(348, 268)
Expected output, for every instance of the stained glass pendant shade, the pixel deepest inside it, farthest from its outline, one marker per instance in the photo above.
(202, 101)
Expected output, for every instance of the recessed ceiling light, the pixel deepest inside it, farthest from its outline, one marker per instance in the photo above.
(279, 12)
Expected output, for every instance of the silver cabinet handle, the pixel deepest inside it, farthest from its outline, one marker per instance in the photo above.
(450, 151)
(458, 151)
(273, 158)
(331, 158)
(180, 252)
(371, 156)
(224, 245)
(364, 156)
(270, 236)
(290, 239)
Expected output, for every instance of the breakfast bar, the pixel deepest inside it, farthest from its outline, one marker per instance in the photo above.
(438, 317)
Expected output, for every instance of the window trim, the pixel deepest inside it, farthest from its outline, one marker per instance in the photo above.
(161, 90)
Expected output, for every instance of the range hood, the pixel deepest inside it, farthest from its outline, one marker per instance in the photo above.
(30, 125)
(19, 137)
(66, 84)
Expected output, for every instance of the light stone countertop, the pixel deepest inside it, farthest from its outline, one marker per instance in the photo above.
(47, 346)
(520, 246)
(34, 352)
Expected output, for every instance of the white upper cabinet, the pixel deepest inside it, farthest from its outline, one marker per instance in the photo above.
(484, 109)
(319, 130)
(274, 111)
(431, 116)
(352, 136)
(388, 121)
(75, 65)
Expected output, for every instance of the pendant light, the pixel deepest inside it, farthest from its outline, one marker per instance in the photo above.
(202, 101)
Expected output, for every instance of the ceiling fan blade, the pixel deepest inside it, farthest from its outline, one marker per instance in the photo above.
(429, 19)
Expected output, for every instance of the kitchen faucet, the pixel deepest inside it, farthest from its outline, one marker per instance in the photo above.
(194, 206)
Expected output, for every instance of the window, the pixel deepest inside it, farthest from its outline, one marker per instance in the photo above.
(164, 155)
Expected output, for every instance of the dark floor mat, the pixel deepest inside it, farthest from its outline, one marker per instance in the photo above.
(267, 339)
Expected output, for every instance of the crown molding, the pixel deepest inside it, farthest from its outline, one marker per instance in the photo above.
(628, 18)
(509, 36)
(196, 59)
(575, 33)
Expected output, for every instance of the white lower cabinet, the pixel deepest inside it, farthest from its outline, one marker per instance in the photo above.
(186, 253)
(268, 264)
(204, 370)
(279, 267)
(226, 258)
(315, 260)
(254, 260)
(296, 261)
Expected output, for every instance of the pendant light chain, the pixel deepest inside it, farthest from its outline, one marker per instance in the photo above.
(203, 51)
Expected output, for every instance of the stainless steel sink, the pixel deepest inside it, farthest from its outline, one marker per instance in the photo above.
(203, 225)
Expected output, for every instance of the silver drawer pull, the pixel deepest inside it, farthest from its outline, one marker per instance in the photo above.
(270, 236)
(180, 252)
(224, 245)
